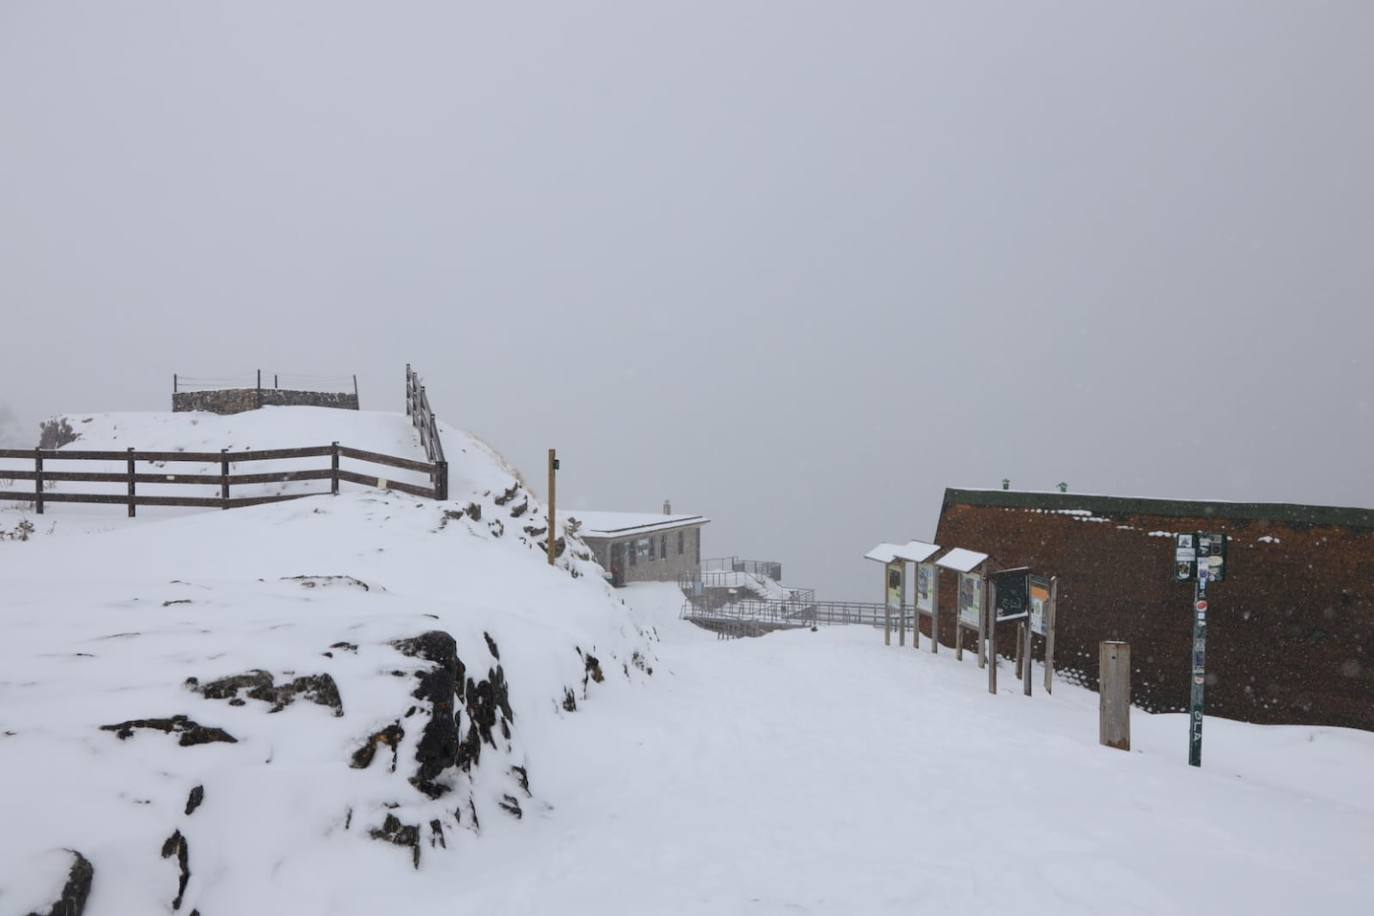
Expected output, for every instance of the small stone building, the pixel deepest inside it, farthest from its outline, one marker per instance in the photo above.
(1290, 630)
(641, 547)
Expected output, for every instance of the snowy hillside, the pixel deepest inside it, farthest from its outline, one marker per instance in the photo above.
(216, 710)
(396, 705)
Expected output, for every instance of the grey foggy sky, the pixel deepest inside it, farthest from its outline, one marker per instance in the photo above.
(798, 266)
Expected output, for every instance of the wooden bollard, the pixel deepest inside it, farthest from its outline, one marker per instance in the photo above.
(1114, 695)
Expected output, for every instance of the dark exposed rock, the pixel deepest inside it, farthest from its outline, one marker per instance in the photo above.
(593, 669)
(496, 527)
(259, 685)
(474, 511)
(393, 831)
(569, 701)
(436, 834)
(318, 581)
(194, 799)
(521, 509)
(176, 845)
(534, 532)
(346, 646)
(192, 733)
(176, 601)
(72, 900)
(507, 495)
(522, 776)
(511, 805)
(438, 746)
(390, 736)
(491, 644)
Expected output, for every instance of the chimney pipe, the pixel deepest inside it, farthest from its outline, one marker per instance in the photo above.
(667, 507)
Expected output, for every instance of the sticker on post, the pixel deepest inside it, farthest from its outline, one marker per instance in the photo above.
(381, 483)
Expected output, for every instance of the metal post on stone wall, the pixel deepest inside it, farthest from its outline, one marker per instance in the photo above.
(1114, 695)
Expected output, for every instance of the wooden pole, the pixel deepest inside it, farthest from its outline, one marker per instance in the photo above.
(989, 605)
(356, 403)
(983, 626)
(38, 480)
(407, 389)
(334, 468)
(131, 482)
(1049, 636)
(1114, 695)
(553, 503)
(901, 608)
(934, 610)
(1017, 654)
(224, 478)
(1026, 658)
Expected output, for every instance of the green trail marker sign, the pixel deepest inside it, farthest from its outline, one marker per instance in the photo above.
(1202, 558)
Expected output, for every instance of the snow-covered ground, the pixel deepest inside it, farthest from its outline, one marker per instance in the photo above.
(825, 773)
(795, 773)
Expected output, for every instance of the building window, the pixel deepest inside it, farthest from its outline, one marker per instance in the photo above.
(679, 543)
(651, 548)
(632, 552)
(663, 546)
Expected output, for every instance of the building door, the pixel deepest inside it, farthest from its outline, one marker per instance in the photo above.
(618, 564)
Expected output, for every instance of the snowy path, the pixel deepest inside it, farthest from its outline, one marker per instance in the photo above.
(822, 773)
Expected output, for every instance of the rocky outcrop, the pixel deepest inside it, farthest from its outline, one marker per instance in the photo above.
(192, 733)
(72, 900)
(261, 685)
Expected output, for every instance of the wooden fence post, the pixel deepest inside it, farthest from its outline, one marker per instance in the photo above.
(408, 411)
(441, 480)
(935, 610)
(1020, 641)
(1114, 695)
(38, 480)
(224, 477)
(334, 469)
(131, 483)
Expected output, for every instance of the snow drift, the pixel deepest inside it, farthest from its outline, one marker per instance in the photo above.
(291, 707)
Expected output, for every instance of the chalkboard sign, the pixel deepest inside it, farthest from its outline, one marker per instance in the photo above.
(1013, 593)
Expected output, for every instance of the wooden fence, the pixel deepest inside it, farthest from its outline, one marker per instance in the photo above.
(417, 408)
(225, 479)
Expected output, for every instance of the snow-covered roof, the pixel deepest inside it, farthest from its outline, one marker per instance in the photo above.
(627, 524)
(911, 551)
(961, 560)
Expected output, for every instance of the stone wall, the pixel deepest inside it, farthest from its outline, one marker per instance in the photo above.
(1290, 631)
(237, 400)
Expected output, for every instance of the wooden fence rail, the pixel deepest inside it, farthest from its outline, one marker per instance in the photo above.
(225, 479)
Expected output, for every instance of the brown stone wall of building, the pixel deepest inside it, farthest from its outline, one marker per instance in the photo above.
(1290, 630)
(237, 400)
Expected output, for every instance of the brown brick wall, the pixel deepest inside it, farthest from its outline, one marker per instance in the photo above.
(1290, 631)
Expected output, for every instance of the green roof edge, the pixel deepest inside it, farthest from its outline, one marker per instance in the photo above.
(1291, 513)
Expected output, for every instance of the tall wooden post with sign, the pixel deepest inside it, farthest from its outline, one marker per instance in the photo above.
(1202, 558)
(553, 505)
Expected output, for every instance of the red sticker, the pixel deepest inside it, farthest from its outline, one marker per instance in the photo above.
(1202, 605)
